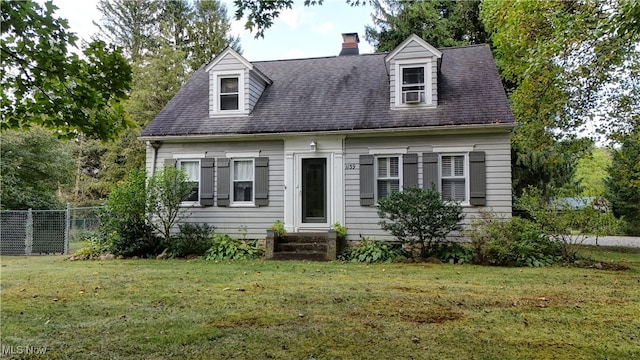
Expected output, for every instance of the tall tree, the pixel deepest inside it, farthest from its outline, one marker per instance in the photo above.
(34, 166)
(623, 183)
(591, 171)
(129, 24)
(175, 19)
(155, 80)
(562, 63)
(440, 22)
(166, 42)
(44, 83)
(208, 32)
(141, 27)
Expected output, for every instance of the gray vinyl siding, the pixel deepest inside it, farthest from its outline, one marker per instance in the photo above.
(229, 62)
(414, 51)
(229, 219)
(256, 86)
(363, 220)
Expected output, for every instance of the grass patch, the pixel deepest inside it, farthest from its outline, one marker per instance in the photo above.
(256, 309)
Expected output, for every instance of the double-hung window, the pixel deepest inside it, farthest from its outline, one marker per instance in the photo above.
(453, 177)
(242, 176)
(413, 84)
(229, 93)
(192, 169)
(387, 175)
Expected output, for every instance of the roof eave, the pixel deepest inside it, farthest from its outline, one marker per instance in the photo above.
(466, 129)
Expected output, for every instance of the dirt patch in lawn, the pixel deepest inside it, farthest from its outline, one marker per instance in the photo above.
(600, 265)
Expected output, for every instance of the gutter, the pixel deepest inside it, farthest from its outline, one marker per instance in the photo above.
(444, 129)
(154, 145)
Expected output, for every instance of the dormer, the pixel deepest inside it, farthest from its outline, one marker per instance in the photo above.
(413, 74)
(235, 85)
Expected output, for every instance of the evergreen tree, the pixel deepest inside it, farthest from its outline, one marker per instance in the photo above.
(441, 23)
(623, 183)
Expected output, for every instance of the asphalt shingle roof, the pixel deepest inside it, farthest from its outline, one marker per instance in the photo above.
(343, 93)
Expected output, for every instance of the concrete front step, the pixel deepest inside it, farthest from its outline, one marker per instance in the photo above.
(300, 246)
(312, 246)
(300, 255)
(304, 238)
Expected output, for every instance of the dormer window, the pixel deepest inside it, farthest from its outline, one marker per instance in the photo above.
(229, 93)
(413, 83)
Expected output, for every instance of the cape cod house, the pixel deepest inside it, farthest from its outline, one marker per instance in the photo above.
(316, 141)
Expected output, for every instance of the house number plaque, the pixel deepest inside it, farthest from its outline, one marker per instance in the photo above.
(351, 166)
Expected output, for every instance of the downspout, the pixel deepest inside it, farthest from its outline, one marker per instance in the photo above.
(154, 145)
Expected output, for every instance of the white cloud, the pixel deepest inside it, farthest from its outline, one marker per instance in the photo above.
(237, 27)
(290, 17)
(80, 15)
(324, 28)
(294, 53)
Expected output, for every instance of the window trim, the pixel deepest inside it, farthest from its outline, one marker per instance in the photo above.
(179, 162)
(217, 93)
(467, 177)
(232, 201)
(427, 64)
(376, 177)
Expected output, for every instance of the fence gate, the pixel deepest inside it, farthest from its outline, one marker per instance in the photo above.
(34, 232)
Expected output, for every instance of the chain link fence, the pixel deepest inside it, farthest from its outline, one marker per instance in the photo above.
(84, 221)
(40, 232)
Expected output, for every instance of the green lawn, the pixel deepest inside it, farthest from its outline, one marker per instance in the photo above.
(160, 309)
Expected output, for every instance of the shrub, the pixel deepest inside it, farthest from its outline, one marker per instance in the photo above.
(226, 247)
(278, 228)
(560, 220)
(123, 224)
(165, 192)
(192, 240)
(454, 253)
(419, 217)
(91, 248)
(623, 182)
(512, 242)
(341, 230)
(371, 251)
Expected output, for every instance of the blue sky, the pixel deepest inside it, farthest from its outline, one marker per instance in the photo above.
(298, 33)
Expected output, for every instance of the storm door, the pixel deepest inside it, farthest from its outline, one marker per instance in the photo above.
(314, 190)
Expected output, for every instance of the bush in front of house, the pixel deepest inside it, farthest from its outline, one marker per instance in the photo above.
(226, 247)
(372, 251)
(512, 242)
(192, 240)
(123, 221)
(567, 225)
(92, 248)
(419, 217)
(165, 192)
(454, 253)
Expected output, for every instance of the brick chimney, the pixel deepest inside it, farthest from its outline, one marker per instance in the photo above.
(350, 44)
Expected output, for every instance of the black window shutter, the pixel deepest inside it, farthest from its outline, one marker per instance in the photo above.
(430, 170)
(410, 170)
(367, 180)
(207, 172)
(170, 162)
(478, 179)
(224, 177)
(262, 181)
